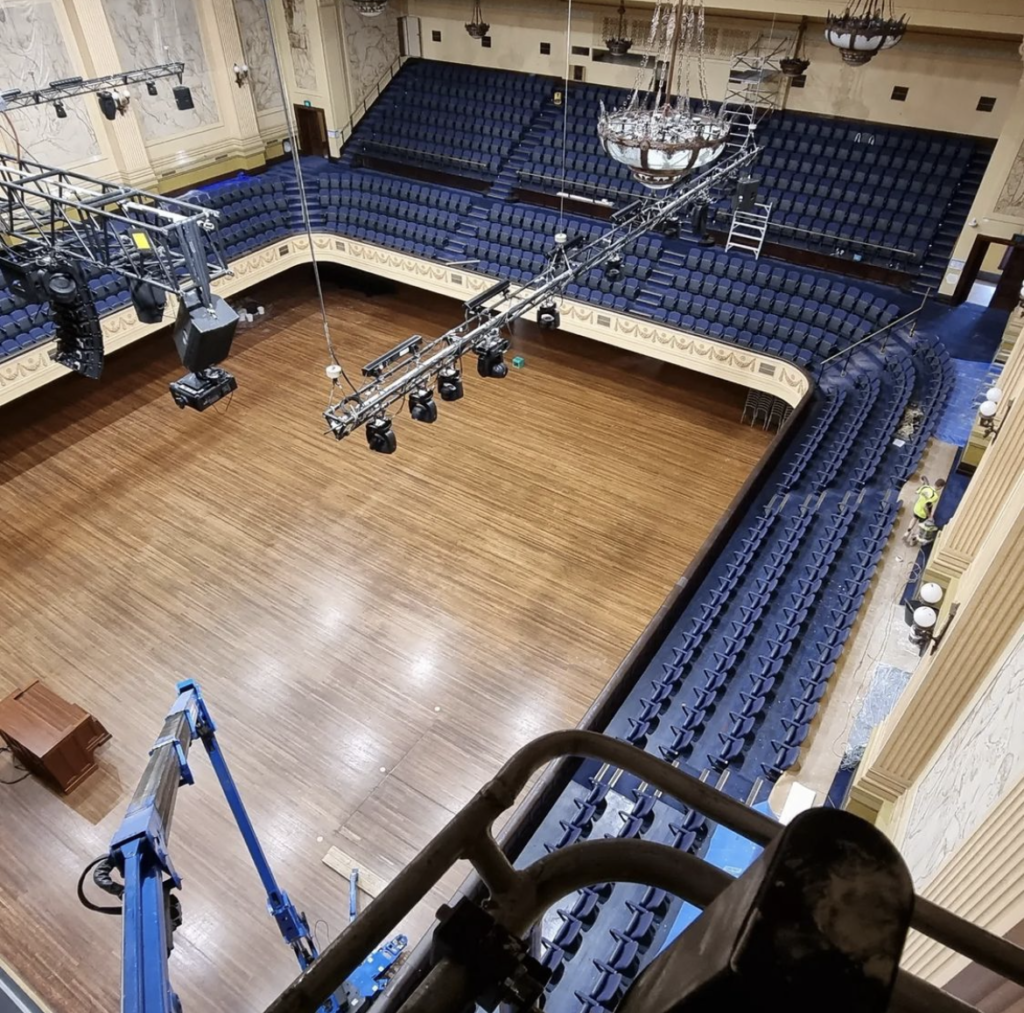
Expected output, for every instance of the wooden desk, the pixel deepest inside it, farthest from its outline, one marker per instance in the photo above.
(51, 737)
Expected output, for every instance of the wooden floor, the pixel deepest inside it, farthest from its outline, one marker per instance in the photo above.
(375, 635)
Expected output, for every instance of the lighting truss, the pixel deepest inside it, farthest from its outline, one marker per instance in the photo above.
(73, 86)
(497, 308)
(50, 216)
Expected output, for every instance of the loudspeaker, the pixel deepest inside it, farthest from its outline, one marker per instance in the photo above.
(183, 97)
(148, 300)
(79, 335)
(203, 335)
(746, 193)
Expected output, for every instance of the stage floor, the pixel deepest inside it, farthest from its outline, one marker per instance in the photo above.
(375, 635)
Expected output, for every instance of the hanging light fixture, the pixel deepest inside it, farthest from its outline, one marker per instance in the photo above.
(865, 28)
(477, 28)
(371, 8)
(796, 65)
(618, 40)
(668, 131)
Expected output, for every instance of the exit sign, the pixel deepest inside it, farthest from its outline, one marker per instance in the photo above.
(308, 104)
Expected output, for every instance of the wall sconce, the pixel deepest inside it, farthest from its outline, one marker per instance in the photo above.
(241, 73)
(923, 628)
(987, 412)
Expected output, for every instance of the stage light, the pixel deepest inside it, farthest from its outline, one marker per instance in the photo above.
(201, 389)
(613, 268)
(490, 363)
(422, 406)
(670, 228)
(380, 437)
(183, 97)
(148, 300)
(122, 99)
(58, 108)
(449, 384)
(108, 106)
(548, 317)
(151, 87)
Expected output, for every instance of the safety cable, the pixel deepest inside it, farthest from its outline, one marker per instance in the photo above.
(101, 877)
(565, 114)
(304, 206)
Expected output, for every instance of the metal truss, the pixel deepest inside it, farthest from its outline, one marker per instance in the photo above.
(518, 897)
(490, 312)
(72, 87)
(53, 216)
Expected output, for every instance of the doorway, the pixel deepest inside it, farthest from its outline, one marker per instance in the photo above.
(311, 130)
(995, 266)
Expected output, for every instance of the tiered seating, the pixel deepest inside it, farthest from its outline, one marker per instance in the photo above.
(587, 169)
(467, 121)
(417, 218)
(864, 188)
(254, 212)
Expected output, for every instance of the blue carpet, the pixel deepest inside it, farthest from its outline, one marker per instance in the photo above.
(972, 380)
(969, 332)
(729, 851)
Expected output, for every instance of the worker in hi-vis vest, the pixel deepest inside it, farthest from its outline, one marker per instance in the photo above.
(924, 505)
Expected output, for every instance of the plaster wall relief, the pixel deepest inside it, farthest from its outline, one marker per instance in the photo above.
(297, 23)
(979, 764)
(149, 32)
(33, 52)
(1011, 200)
(258, 46)
(371, 45)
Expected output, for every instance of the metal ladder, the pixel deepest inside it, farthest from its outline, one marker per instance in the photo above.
(754, 89)
(749, 229)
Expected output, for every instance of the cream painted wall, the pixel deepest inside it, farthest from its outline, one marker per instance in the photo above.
(946, 75)
(998, 209)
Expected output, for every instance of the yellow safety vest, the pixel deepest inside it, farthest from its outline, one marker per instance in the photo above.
(927, 497)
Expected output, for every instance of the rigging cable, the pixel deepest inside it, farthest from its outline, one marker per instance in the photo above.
(565, 115)
(304, 205)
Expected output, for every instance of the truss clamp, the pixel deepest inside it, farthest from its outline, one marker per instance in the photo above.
(499, 964)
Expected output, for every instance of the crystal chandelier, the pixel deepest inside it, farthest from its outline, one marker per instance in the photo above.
(667, 132)
(371, 8)
(866, 27)
(617, 38)
(477, 28)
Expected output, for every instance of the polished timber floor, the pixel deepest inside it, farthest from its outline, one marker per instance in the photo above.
(375, 635)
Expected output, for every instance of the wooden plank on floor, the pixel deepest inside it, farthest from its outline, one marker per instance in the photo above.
(369, 881)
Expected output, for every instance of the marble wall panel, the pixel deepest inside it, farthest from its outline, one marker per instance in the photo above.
(983, 760)
(149, 32)
(371, 45)
(33, 52)
(297, 23)
(258, 46)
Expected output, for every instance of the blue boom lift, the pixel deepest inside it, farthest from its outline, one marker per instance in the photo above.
(139, 854)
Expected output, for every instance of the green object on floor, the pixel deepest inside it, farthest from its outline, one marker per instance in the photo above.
(519, 362)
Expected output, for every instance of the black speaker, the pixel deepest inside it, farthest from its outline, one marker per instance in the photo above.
(78, 331)
(203, 334)
(107, 105)
(746, 193)
(148, 300)
(183, 97)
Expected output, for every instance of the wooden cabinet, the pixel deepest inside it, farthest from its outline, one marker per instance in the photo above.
(52, 738)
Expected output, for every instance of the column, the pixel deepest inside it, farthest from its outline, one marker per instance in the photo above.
(995, 476)
(991, 611)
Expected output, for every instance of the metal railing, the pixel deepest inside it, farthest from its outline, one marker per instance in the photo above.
(371, 96)
(883, 332)
(431, 156)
